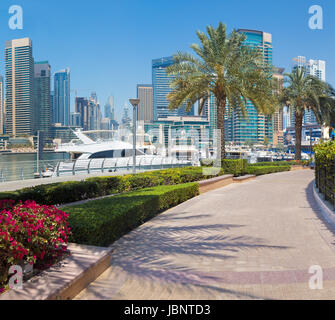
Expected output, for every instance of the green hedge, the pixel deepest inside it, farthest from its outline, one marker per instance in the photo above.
(260, 170)
(235, 167)
(100, 222)
(66, 192)
(325, 170)
(280, 163)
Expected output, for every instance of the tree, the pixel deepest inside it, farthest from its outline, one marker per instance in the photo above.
(266, 141)
(306, 92)
(226, 68)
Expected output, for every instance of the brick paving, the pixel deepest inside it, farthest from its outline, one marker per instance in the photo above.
(255, 240)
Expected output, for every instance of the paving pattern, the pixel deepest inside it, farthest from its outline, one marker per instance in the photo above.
(255, 240)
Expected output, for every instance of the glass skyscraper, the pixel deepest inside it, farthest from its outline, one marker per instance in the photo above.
(62, 97)
(42, 96)
(161, 88)
(20, 111)
(255, 127)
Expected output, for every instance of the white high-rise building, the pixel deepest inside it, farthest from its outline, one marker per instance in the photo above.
(316, 68)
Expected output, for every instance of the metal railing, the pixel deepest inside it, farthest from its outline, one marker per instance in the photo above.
(24, 170)
(117, 164)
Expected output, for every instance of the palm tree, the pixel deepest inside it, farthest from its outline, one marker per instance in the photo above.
(306, 92)
(226, 68)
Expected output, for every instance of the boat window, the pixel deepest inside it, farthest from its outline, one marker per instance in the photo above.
(102, 154)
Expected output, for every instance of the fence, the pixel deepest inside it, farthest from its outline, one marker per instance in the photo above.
(325, 180)
(117, 164)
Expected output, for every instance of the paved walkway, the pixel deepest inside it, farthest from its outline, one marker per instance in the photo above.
(255, 240)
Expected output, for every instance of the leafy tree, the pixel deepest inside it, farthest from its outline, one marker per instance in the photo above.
(306, 92)
(226, 68)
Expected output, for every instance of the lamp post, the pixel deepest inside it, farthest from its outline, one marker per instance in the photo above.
(134, 103)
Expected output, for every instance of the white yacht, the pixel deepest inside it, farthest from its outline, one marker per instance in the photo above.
(89, 156)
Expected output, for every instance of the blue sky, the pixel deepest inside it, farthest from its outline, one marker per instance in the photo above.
(109, 44)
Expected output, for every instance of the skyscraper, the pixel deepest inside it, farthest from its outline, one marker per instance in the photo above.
(2, 108)
(81, 107)
(109, 108)
(42, 96)
(255, 127)
(161, 88)
(145, 108)
(94, 113)
(278, 117)
(62, 97)
(19, 87)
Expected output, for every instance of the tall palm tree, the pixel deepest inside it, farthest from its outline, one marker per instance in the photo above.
(306, 92)
(226, 68)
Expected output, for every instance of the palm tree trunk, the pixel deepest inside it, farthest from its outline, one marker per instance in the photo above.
(221, 108)
(298, 130)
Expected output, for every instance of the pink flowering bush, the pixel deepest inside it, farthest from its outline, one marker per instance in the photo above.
(30, 233)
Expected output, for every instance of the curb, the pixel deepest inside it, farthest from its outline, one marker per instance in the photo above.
(325, 208)
(245, 178)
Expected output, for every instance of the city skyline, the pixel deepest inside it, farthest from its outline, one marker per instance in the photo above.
(122, 54)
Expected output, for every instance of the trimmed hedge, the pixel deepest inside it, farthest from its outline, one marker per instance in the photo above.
(100, 222)
(325, 170)
(260, 170)
(235, 167)
(281, 163)
(66, 192)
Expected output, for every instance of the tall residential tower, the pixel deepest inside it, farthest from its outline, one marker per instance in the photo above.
(161, 88)
(145, 108)
(255, 127)
(62, 97)
(20, 111)
(42, 96)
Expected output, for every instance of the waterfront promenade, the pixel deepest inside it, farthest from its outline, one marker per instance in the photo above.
(255, 240)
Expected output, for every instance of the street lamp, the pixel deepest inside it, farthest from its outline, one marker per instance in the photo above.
(134, 103)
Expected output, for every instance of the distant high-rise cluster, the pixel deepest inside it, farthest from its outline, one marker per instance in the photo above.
(29, 104)
(31, 100)
(87, 113)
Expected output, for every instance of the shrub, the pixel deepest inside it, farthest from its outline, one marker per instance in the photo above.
(30, 233)
(103, 221)
(260, 170)
(280, 163)
(325, 169)
(235, 167)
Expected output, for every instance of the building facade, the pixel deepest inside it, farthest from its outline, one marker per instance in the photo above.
(81, 107)
(42, 72)
(161, 88)
(19, 64)
(62, 97)
(256, 127)
(145, 110)
(109, 109)
(2, 107)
